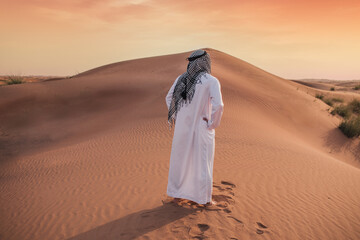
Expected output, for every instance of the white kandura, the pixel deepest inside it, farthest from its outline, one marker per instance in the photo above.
(193, 146)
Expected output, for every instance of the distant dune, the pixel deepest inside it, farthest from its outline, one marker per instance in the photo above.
(87, 158)
(28, 79)
(345, 89)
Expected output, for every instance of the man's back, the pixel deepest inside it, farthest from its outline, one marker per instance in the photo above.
(193, 146)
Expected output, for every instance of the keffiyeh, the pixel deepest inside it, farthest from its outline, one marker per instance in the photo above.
(199, 64)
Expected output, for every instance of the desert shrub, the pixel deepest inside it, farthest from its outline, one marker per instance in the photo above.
(351, 127)
(14, 80)
(337, 100)
(328, 102)
(332, 89)
(357, 87)
(319, 96)
(341, 110)
(355, 106)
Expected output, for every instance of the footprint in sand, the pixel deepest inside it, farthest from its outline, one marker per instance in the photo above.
(223, 199)
(182, 203)
(223, 195)
(203, 227)
(200, 232)
(261, 225)
(260, 231)
(228, 183)
(200, 237)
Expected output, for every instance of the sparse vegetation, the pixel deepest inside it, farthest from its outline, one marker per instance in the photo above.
(328, 102)
(355, 106)
(351, 127)
(350, 112)
(342, 111)
(14, 80)
(338, 100)
(319, 96)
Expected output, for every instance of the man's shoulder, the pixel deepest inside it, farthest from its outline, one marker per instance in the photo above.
(210, 77)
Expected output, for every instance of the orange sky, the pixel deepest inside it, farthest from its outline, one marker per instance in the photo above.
(292, 39)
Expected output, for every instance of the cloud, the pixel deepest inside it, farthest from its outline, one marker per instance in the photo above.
(123, 29)
(110, 11)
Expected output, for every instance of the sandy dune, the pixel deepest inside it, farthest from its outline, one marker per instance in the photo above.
(88, 157)
(29, 79)
(342, 89)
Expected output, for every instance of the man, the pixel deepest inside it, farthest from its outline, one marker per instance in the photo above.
(195, 106)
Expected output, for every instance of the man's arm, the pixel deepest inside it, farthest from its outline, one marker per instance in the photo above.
(169, 95)
(217, 105)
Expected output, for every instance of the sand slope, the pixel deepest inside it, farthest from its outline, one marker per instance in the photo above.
(342, 89)
(87, 158)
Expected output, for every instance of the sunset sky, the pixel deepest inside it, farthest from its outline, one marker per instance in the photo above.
(292, 39)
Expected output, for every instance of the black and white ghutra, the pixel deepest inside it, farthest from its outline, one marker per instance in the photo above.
(184, 90)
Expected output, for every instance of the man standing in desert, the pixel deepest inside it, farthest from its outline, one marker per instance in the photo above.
(195, 106)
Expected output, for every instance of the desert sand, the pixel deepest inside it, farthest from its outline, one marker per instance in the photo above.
(29, 79)
(343, 89)
(87, 158)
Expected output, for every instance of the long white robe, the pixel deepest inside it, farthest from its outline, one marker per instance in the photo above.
(193, 146)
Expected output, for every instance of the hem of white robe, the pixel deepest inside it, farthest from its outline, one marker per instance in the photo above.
(187, 197)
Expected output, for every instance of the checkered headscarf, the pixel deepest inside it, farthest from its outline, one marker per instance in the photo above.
(199, 64)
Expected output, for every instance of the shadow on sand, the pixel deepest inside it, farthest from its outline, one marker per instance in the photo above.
(338, 142)
(136, 224)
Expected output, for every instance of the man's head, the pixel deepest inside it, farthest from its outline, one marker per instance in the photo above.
(199, 61)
